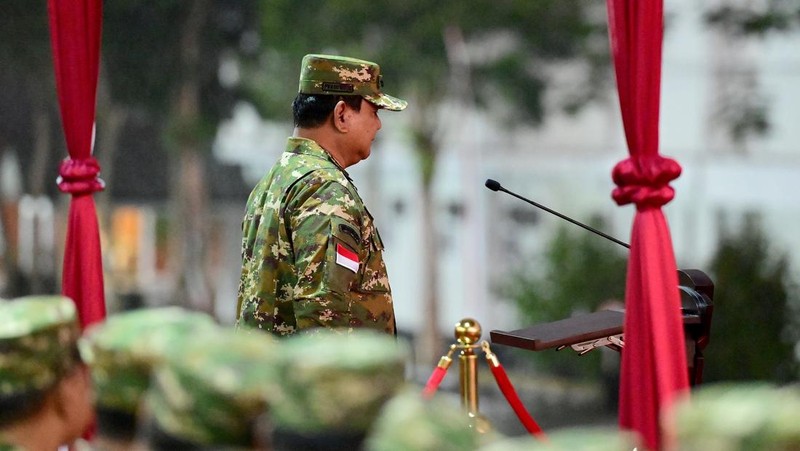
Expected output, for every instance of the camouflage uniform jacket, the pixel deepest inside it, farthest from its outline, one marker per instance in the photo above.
(311, 255)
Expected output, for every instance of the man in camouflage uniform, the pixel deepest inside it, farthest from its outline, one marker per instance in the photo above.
(311, 255)
(45, 389)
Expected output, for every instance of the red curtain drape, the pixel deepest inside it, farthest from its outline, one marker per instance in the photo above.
(654, 370)
(75, 37)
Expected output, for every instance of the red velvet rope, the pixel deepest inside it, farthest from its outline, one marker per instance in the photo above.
(79, 176)
(502, 380)
(513, 400)
(433, 382)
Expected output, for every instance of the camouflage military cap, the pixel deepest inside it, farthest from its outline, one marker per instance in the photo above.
(38, 336)
(340, 75)
(336, 382)
(6, 445)
(214, 389)
(588, 438)
(738, 416)
(122, 350)
(410, 423)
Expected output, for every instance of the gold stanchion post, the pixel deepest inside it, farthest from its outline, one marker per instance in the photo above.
(468, 335)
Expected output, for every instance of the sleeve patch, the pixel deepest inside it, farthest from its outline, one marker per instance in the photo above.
(344, 228)
(347, 258)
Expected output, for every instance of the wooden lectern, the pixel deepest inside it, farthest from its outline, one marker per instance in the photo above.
(584, 333)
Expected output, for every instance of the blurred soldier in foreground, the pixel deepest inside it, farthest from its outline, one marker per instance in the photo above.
(45, 389)
(589, 438)
(738, 417)
(211, 393)
(332, 388)
(311, 255)
(410, 423)
(121, 353)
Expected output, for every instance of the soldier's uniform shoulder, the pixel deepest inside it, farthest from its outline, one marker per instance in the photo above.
(326, 191)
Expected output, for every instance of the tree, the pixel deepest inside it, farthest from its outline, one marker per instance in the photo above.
(162, 60)
(753, 330)
(743, 110)
(441, 56)
(757, 19)
(581, 273)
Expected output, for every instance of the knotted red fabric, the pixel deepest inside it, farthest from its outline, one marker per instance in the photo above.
(75, 37)
(654, 370)
(79, 176)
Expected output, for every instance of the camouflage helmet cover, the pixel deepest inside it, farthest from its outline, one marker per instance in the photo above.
(341, 75)
(38, 336)
(123, 350)
(751, 415)
(336, 382)
(409, 422)
(214, 388)
(575, 438)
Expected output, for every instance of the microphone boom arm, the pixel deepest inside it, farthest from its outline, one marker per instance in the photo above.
(495, 186)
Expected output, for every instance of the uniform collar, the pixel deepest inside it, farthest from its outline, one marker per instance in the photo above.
(305, 146)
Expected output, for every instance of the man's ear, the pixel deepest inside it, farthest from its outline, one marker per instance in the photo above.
(73, 387)
(59, 399)
(73, 401)
(340, 121)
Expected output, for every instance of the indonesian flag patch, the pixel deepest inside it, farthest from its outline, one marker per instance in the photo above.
(346, 258)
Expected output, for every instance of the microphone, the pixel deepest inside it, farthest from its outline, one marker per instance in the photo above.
(495, 186)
